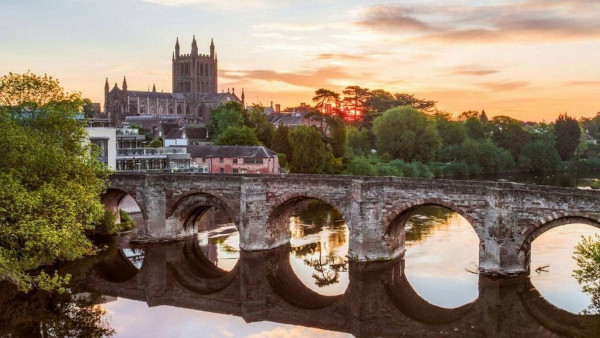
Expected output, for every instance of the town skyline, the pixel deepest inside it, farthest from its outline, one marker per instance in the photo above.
(528, 59)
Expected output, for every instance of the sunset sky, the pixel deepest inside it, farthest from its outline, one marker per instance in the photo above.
(529, 59)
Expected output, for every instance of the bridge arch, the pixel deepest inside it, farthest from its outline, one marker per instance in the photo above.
(411, 304)
(112, 198)
(544, 224)
(278, 215)
(183, 214)
(116, 267)
(198, 274)
(286, 284)
(393, 224)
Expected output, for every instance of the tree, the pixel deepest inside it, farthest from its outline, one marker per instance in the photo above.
(324, 97)
(539, 156)
(380, 101)
(281, 144)
(406, 133)
(403, 99)
(238, 136)
(354, 101)
(568, 134)
(509, 134)
(257, 119)
(229, 114)
(309, 153)
(358, 141)
(587, 256)
(50, 181)
(451, 132)
(474, 128)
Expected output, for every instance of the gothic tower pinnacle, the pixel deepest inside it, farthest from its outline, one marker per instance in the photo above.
(124, 84)
(106, 87)
(194, 46)
(212, 48)
(177, 47)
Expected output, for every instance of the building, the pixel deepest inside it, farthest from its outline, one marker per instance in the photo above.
(195, 92)
(234, 159)
(105, 138)
(186, 136)
(132, 155)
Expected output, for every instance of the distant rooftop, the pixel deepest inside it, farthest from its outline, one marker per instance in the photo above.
(230, 151)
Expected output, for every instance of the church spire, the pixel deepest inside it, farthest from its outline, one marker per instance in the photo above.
(106, 87)
(177, 47)
(212, 49)
(154, 88)
(124, 83)
(194, 46)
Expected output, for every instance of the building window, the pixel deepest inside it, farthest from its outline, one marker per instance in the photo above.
(235, 160)
(253, 160)
(243, 171)
(203, 160)
(220, 160)
(235, 171)
(221, 170)
(102, 144)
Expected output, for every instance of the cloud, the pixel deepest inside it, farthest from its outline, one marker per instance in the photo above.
(472, 70)
(583, 83)
(394, 18)
(311, 79)
(340, 56)
(514, 22)
(222, 4)
(504, 86)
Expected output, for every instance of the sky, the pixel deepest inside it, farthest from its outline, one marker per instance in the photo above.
(529, 59)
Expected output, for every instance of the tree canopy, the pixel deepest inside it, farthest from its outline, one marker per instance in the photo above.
(406, 133)
(50, 182)
(309, 153)
(568, 135)
(240, 136)
(229, 114)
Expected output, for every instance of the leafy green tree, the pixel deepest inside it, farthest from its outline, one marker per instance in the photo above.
(509, 134)
(451, 132)
(539, 156)
(240, 136)
(50, 181)
(358, 141)
(256, 118)
(156, 143)
(338, 139)
(568, 135)
(361, 166)
(229, 114)
(587, 256)
(474, 128)
(309, 152)
(281, 143)
(406, 133)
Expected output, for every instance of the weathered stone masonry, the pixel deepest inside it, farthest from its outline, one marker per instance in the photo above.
(506, 217)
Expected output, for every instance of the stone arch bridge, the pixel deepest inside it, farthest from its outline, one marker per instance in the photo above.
(506, 217)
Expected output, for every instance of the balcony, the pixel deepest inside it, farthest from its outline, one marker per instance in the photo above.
(150, 151)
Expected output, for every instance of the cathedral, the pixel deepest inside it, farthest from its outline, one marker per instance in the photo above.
(195, 93)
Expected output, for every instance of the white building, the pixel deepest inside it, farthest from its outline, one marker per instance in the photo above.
(106, 139)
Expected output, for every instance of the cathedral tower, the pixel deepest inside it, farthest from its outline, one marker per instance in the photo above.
(195, 73)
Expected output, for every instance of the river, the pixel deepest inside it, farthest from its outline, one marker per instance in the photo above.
(207, 286)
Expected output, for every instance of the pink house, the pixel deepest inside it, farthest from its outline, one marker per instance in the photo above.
(233, 159)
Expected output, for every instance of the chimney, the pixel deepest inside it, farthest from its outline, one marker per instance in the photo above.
(277, 108)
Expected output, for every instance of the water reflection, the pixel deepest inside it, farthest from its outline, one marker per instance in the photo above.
(442, 254)
(379, 301)
(319, 246)
(552, 266)
(219, 239)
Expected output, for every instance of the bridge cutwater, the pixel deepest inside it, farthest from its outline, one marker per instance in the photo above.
(506, 216)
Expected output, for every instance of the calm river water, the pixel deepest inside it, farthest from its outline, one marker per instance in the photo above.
(207, 287)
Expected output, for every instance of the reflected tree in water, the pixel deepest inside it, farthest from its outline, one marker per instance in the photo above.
(423, 220)
(43, 314)
(327, 267)
(587, 256)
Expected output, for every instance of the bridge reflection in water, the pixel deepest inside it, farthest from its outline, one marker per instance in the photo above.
(379, 300)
